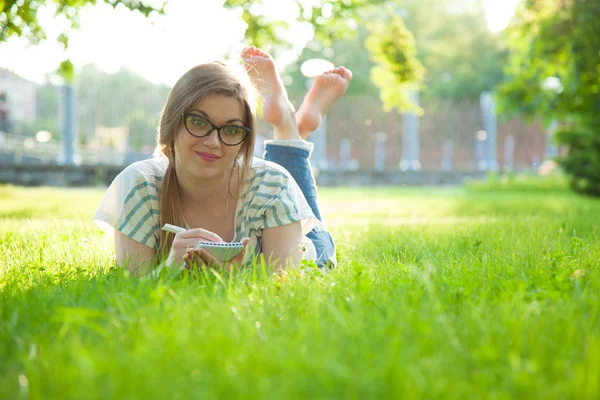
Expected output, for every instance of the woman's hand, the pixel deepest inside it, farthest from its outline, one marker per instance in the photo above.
(186, 241)
(201, 257)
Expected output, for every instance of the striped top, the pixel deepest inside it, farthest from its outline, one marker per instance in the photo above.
(271, 198)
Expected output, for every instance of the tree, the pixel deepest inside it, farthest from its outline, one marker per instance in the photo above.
(397, 72)
(120, 99)
(47, 101)
(351, 53)
(337, 19)
(461, 56)
(443, 44)
(19, 18)
(554, 74)
(142, 129)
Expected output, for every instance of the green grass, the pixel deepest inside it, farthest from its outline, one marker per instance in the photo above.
(484, 292)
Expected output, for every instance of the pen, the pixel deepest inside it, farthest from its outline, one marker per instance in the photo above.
(173, 228)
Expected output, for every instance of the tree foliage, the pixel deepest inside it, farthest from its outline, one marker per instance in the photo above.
(338, 19)
(19, 18)
(332, 19)
(397, 71)
(461, 56)
(554, 74)
(120, 99)
(110, 99)
(444, 44)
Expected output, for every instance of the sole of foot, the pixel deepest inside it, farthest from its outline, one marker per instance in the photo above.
(276, 108)
(325, 91)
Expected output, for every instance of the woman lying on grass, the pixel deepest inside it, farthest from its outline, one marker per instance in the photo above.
(206, 180)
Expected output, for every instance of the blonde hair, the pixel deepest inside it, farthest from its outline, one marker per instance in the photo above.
(199, 82)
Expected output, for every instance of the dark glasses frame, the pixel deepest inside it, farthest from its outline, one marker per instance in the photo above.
(247, 131)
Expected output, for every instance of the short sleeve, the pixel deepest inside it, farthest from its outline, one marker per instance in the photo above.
(278, 200)
(131, 206)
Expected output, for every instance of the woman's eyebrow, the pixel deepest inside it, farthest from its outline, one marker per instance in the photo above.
(206, 115)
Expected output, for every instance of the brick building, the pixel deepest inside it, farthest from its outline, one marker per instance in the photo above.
(360, 119)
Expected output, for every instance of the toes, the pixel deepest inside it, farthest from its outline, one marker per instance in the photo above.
(247, 51)
(252, 51)
(331, 71)
(344, 72)
(337, 71)
(261, 53)
(348, 74)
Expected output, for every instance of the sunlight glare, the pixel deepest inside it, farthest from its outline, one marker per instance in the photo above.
(499, 12)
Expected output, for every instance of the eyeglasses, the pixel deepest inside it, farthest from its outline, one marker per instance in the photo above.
(230, 135)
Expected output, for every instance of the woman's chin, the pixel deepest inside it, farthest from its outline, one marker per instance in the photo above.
(208, 173)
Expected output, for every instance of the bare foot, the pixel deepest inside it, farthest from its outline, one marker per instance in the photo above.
(276, 107)
(327, 88)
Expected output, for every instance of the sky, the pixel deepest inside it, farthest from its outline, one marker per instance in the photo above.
(161, 48)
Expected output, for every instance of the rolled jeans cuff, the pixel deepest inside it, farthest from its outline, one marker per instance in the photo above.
(292, 143)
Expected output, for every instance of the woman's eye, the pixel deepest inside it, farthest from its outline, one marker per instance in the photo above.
(199, 122)
(231, 130)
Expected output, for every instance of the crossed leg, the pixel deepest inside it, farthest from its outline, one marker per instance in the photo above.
(279, 112)
(277, 109)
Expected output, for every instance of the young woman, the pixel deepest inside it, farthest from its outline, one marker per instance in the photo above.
(206, 180)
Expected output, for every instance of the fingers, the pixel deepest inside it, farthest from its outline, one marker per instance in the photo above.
(189, 259)
(208, 258)
(199, 258)
(202, 257)
(186, 243)
(240, 257)
(187, 240)
(199, 234)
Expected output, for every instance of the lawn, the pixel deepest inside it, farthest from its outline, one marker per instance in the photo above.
(446, 293)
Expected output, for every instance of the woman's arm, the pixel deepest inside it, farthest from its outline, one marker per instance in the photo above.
(135, 256)
(139, 259)
(281, 245)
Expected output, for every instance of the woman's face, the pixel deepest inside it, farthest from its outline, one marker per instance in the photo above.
(208, 157)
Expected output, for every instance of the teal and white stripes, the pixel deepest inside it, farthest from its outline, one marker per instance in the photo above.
(140, 216)
(272, 198)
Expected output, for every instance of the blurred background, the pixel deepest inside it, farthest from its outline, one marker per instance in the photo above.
(443, 90)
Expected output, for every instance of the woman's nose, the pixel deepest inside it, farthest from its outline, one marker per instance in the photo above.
(212, 139)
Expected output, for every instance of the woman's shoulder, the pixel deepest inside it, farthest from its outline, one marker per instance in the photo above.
(265, 181)
(149, 170)
(130, 203)
(267, 171)
(274, 198)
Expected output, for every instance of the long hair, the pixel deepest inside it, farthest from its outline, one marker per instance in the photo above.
(196, 84)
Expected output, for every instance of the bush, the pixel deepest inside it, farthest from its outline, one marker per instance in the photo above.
(582, 161)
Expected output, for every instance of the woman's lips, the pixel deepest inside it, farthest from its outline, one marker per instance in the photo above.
(208, 156)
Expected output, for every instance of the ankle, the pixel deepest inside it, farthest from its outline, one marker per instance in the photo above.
(287, 120)
(288, 129)
(286, 134)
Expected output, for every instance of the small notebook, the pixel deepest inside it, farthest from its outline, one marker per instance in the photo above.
(221, 251)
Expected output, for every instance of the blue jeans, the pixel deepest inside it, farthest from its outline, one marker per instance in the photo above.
(296, 161)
